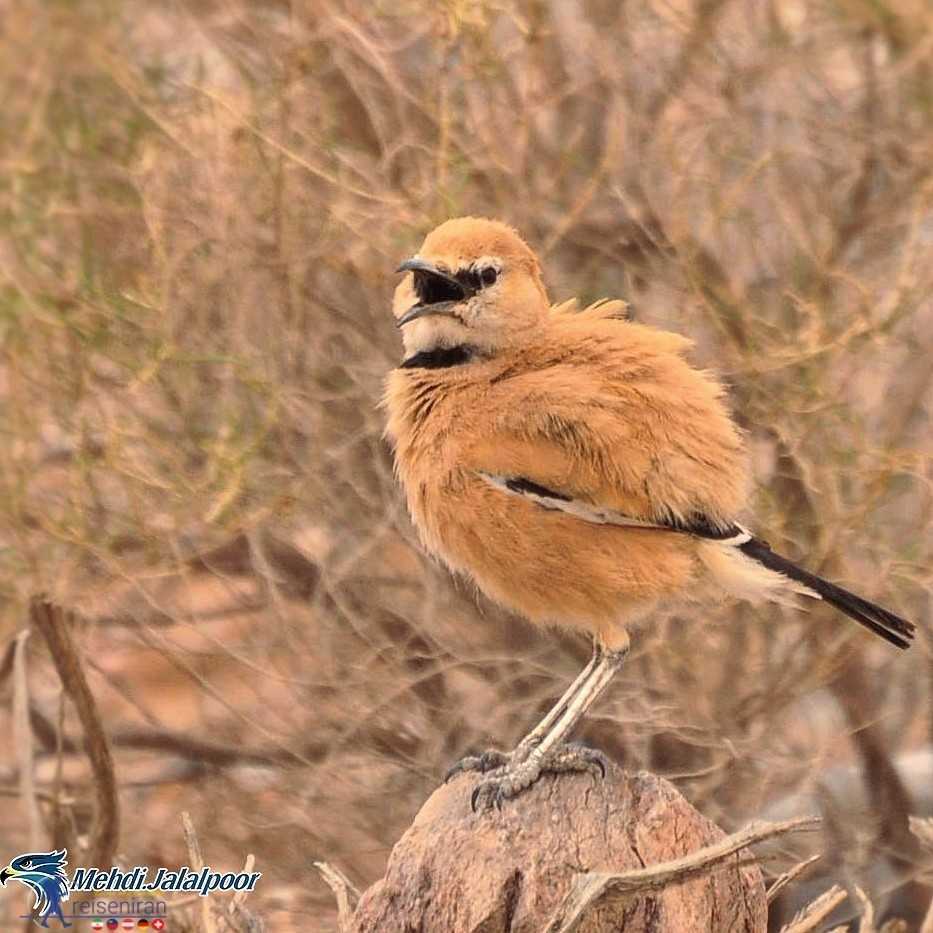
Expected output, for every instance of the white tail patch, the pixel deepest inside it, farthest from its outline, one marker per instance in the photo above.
(745, 578)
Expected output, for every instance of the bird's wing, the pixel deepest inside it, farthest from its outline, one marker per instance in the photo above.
(638, 438)
(627, 440)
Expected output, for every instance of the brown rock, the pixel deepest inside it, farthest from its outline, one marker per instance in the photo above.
(458, 872)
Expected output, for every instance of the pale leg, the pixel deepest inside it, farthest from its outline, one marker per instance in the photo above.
(548, 755)
(556, 711)
(587, 693)
(494, 758)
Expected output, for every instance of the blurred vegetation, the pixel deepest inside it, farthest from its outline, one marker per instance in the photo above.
(201, 205)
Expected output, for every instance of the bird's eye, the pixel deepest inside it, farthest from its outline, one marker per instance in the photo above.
(488, 275)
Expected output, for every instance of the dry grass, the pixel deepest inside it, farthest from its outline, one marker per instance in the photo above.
(202, 204)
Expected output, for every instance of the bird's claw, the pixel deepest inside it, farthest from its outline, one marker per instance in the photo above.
(491, 793)
(510, 779)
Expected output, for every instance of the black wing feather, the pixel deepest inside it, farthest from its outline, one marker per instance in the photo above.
(892, 628)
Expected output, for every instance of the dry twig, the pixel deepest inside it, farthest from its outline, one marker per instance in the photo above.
(816, 911)
(54, 625)
(344, 890)
(197, 863)
(592, 887)
(867, 924)
(239, 897)
(23, 739)
(792, 874)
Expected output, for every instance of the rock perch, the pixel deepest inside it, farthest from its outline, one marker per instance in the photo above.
(455, 871)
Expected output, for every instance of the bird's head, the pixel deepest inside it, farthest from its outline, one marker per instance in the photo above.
(473, 282)
(34, 866)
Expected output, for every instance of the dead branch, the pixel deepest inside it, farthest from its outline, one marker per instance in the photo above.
(867, 924)
(197, 863)
(54, 623)
(790, 876)
(344, 892)
(592, 887)
(23, 738)
(816, 912)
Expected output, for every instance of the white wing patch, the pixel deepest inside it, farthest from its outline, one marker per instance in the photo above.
(740, 537)
(582, 510)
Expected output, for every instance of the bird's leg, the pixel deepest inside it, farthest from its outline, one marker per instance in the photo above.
(494, 758)
(556, 711)
(548, 756)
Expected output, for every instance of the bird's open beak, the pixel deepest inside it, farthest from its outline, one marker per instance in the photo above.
(438, 292)
(6, 873)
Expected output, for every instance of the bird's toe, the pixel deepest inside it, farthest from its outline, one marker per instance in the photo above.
(504, 784)
(576, 758)
(509, 779)
(488, 761)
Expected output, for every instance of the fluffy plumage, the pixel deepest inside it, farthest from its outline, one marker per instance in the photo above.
(572, 462)
(574, 465)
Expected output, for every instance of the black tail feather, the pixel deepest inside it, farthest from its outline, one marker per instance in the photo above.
(887, 625)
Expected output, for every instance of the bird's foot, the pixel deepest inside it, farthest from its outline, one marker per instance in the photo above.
(492, 758)
(514, 776)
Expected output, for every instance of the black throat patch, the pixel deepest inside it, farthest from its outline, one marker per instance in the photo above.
(440, 358)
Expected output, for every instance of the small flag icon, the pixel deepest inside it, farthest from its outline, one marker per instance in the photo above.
(113, 923)
(143, 923)
(158, 924)
(129, 923)
(97, 925)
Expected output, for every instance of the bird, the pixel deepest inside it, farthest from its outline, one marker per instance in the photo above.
(44, 874)
(575, 467)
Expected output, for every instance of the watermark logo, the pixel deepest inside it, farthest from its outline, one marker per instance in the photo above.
(44, 874)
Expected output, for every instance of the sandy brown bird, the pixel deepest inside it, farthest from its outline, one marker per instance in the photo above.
(572, 464)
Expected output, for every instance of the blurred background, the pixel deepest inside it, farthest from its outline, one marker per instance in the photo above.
(201, 207)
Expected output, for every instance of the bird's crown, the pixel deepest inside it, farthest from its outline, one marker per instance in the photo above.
(464, 241)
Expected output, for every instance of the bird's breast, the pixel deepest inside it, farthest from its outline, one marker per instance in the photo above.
(545, 564)
(427, 418)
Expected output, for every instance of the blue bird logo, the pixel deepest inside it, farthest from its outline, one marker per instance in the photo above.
(43, 873)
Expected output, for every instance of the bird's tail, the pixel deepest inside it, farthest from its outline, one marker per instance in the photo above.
(892, 628)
